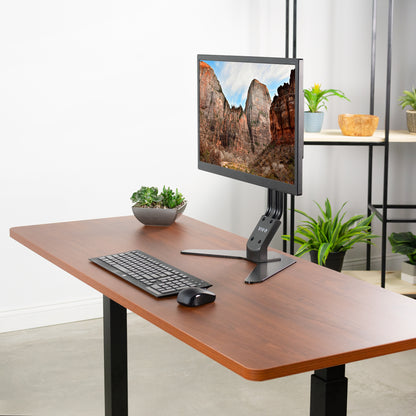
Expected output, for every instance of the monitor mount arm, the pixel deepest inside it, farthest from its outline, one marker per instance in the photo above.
(268, 263)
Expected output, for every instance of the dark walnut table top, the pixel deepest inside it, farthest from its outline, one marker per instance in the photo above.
(302, 319)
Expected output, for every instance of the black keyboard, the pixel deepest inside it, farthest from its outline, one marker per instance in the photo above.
(149, 273)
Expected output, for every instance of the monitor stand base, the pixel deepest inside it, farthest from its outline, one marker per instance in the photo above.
(268, 263)
(265, 269)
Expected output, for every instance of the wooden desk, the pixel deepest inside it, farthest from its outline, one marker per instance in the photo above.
(305, 318)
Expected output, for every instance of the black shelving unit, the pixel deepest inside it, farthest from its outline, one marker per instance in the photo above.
(381, 211)
(287, 55)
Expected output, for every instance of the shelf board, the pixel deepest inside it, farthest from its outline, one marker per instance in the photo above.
(328, 137)
(393, 281)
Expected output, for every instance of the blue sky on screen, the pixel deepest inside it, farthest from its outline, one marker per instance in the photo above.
(235, 78)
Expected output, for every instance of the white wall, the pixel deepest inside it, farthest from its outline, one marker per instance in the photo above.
(99, 97)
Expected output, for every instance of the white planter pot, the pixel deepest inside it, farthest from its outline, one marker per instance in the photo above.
(409, 272)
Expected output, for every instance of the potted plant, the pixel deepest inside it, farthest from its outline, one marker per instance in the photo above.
(409, 99)
(154, 208)
(316, 98)
(405, 243)
(327, 238)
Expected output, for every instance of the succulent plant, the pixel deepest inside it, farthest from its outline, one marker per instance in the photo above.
(149, 196)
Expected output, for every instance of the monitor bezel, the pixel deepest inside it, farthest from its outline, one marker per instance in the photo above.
(296, 187)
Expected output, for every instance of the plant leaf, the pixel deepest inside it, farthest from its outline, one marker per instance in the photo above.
(323, 252)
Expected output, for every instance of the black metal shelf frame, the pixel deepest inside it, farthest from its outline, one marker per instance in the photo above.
(380, 210)
(287, 53)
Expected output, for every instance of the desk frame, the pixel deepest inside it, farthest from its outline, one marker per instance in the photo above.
(115, 358)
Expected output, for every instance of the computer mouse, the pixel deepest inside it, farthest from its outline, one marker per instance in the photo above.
(195, 296)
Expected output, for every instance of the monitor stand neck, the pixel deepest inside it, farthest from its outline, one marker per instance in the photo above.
(268, 263)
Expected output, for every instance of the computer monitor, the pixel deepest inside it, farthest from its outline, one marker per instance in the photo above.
(250, 128)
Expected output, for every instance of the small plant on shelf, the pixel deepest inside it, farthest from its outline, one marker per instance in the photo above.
(317, 98)
(328, 236)
(409, 100)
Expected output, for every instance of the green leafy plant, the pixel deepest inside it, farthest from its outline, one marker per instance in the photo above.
(150, 197)
(404, 243)
(408, 99)
(328, 234)
(316, 98)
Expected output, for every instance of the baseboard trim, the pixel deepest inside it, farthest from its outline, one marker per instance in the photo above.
(393, 262)
(52, 314)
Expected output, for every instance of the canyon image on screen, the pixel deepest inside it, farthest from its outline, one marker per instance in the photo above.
(247, 117)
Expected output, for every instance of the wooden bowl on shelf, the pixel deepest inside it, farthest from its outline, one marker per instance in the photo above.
(357, 124)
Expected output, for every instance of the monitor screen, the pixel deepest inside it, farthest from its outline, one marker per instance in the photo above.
(251, 120)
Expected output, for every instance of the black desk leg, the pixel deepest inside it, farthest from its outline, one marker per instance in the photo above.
(115, 358)
(329, 388)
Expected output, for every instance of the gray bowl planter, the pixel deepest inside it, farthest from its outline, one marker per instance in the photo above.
(158, 216)
(409, 272)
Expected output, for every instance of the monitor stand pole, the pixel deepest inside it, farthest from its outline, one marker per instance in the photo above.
(268, 263)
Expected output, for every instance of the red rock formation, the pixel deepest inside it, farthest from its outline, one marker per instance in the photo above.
(212, 103)
(282, 113)
(258, 115)
(235, 132)
(220, 124)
